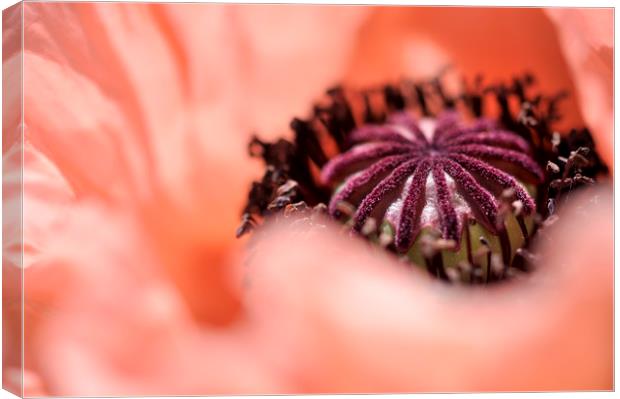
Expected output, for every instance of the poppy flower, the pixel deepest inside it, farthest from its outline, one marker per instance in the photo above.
(135, 121)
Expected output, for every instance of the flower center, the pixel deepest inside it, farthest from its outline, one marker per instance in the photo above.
(413, 178)
(431, 187)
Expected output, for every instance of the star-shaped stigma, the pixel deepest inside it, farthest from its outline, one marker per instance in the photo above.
(431, 172)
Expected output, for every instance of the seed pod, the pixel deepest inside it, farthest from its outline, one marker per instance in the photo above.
(436, 186)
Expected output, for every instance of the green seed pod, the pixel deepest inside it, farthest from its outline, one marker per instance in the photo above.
(439, 192)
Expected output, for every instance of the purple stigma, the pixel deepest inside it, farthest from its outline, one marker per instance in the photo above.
(412, 177)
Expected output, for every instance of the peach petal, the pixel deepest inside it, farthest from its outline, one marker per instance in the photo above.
(587, 40)
(121, 328)
(348, 321)
(12, 101)
(47, 196)
(413, 41)
(71, 120)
